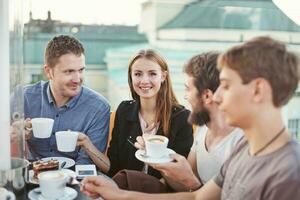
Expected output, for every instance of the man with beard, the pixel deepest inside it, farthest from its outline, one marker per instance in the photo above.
(64, 99)
(257, 79)
(214, 139)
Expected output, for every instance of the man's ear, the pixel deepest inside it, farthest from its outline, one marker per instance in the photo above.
(48, 71)
(261, 90)
(207, 96)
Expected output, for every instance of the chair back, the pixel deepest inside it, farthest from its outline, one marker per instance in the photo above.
(111, 126)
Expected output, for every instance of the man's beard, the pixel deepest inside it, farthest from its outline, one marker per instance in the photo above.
(199, 118)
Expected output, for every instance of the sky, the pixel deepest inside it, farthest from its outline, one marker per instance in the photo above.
(109, 11)
(290, 8)
(86, 11)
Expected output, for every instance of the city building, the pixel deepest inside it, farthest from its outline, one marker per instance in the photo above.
(177, 30)
(95, 38)
(180, 29)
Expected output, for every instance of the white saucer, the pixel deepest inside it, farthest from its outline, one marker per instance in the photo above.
(69, 194)
(69, 162)
(166, 158)
(35, 181)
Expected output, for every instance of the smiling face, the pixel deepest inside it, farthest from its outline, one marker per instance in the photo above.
(66, 75)
(147, 78)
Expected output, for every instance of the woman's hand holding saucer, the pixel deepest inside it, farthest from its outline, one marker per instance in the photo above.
(140, 143)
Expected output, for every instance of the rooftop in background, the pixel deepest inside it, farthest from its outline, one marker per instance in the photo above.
(96, 38)
(233, 14)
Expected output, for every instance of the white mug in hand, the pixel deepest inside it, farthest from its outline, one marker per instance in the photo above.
(42, 127)
(5, 194)
(156, 145)
(66, 140)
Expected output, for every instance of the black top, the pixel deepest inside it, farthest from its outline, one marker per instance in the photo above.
(122, 154)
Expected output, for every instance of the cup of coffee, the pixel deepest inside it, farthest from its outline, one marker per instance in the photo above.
(5, 194)
(42, 127)
(52, 184)
(156, 145)
(66, 140)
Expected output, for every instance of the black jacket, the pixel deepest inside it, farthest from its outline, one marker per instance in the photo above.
(122, 154)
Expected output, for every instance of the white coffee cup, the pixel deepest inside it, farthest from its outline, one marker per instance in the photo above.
(52, 184)
(156, 145)
(5, 194)
(42, 127)
(66, 140)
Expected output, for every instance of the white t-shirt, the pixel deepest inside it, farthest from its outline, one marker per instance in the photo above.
(209, 163)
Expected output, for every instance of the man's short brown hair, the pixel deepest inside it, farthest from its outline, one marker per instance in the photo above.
(61, 45)
(266, 58)
(203, 68)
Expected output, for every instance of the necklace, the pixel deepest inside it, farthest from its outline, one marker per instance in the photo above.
(270, 142)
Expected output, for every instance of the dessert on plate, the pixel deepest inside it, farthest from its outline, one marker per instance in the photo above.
(41, 166)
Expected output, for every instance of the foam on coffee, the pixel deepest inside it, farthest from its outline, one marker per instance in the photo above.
(51, 175)
(156, 140)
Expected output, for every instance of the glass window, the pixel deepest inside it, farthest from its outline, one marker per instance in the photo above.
(36, 77)
(293, 126)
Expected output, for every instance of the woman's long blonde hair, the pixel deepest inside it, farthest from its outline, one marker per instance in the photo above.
(165, 98)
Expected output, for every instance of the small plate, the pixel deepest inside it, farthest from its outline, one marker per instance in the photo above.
(36, 181)
(139, 154)
(31, 179)
(69, 173)
(69, 194)
(69, 162)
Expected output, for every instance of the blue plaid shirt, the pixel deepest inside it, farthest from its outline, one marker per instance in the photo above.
(88, 112)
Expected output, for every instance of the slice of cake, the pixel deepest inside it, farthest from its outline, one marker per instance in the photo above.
(40, 166)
